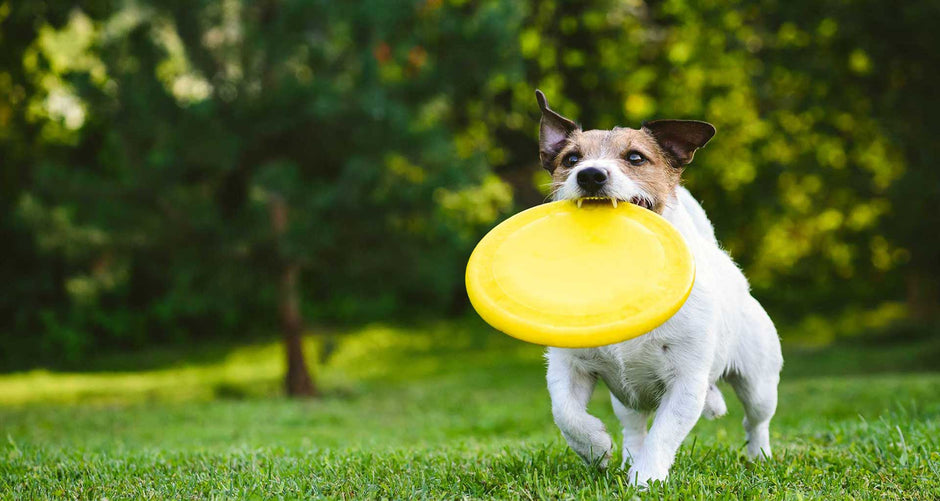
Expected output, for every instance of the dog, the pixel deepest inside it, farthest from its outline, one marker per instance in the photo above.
(720, 332)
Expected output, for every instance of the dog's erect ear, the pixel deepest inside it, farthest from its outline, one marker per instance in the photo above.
(553, 131)
(680, 138)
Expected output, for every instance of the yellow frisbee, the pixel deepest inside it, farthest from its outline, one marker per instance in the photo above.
(560, 275)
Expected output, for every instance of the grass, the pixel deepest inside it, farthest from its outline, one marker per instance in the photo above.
(447, 410)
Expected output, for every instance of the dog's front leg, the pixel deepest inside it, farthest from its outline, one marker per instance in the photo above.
(570, 387)
(678, 412)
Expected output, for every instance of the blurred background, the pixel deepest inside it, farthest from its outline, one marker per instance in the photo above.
(177, 176)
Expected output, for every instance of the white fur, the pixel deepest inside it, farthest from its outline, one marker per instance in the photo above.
(720, 332)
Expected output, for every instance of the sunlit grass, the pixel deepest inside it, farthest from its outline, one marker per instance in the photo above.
(252, 367)
(375, 351)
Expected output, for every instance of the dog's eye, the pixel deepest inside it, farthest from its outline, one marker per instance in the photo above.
(570, 159)
(636, 158)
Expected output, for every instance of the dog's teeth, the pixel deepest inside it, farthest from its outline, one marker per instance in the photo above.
(613, 201)
(580, 201)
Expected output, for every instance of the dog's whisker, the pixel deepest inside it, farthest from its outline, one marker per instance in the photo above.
(556, 187)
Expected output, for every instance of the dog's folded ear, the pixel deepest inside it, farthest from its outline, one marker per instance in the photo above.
(680, 138)
(553, 132)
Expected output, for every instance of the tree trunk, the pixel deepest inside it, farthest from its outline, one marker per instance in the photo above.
(923, 296)
(298, 382)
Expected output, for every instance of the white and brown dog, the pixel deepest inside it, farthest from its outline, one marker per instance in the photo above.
(721, 332)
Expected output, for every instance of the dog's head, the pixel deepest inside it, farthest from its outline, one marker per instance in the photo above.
(640, 166)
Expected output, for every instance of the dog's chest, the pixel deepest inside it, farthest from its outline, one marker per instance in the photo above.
(639, 371)
(636, 371)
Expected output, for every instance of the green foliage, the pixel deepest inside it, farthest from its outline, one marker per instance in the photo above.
(805, 177)
(165, 130)
(144, 142)
(447, 410)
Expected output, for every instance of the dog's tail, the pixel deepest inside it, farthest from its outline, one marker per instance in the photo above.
(714, 403)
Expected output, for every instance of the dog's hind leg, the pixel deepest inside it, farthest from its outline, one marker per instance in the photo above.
(755, 381)
(759, 397)
(634, 429)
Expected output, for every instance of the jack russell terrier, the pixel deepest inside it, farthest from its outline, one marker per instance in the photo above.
(721, 332)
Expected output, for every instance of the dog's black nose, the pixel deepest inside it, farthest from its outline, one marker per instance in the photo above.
(592, 179)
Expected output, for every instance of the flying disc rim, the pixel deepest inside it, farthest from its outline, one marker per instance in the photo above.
(534, 326)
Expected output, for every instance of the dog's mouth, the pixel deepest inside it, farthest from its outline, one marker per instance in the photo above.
(639, 201)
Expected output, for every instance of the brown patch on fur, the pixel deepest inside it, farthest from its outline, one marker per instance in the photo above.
(658, 176)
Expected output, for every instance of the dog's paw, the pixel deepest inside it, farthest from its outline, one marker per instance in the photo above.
(590, 441)
(645, 470)
(714, 404)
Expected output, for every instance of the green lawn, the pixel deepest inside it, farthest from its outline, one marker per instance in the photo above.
(440, 411)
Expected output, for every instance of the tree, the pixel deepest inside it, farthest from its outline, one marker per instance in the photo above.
(200, 128)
